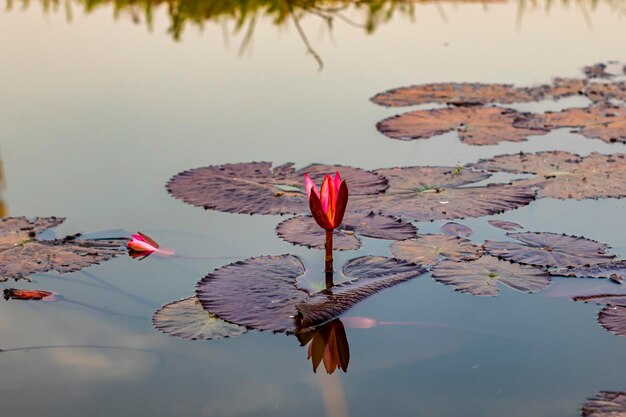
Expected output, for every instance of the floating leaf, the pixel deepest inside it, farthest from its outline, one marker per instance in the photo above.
(475, 125)
(503, 224)
(256, 188)
(596, 71)
(22, 254)
(187, 319)
(604, 270)
(481, 277)
(428, 249)
(369, 275)
(550, 249)
(566, 175)
(257, 292)
(302, 230)
(603, 299)
(456, 229)
(607, 123)
(39, 295)
(612, 317)
(605, 92)
(605, 404)
(437, 193)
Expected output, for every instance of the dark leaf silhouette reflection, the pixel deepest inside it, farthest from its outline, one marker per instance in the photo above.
(327, 344)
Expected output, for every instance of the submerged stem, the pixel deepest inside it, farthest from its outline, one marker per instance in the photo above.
(329, 259)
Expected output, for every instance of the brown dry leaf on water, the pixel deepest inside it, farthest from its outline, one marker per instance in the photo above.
(261, 292)
(475, 125)
(302, 230)
(605, 404)
(441, 193)
(256, 188)
(22, 254)
(428, 249)
(481, 277)
(187, 319)
(565, 175)
(549, 250)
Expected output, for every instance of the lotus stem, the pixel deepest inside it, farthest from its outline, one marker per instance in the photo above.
(329, 258)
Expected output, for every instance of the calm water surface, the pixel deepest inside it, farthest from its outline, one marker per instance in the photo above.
(97, 113)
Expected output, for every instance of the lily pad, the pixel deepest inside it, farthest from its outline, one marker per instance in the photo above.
(550, 249)
(187, 319)
(256, 188)
(612, 317)
(607, 123)
(428, 249)
(475, 125)
(23, 254)
(565, 175)
(605, 270)
(302, 230)
(441, 193)
(606, 92)
(481, 277)
(456, 229)
(596, 71)
(38, 295)
(260, 292)
(369, 274)
(505, 225)
(605, 404)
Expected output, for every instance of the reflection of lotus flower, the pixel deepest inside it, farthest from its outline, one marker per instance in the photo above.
(329, 345)
(329, 204)
(141, 243)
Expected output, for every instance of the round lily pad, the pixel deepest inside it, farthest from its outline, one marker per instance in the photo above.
(605, 404)
(302, 230)
(23, 254)
(428, 249)
(438, 193)
(481, 277)
(187, 319)
(256, 188)
(550, 249)
(456, 229)
(475, 125)
(505, 225)
(565, 175)
(607, 123)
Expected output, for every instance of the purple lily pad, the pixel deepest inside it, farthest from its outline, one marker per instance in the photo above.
(187, 319)
(256, 188)
(481, 277)
(441, 193)
(23, 254)
(302, 230)
(505, 225)
(550, 250)
(615, 270)
(613, 316)
(428, 249)
(605, 404)
(456, 229)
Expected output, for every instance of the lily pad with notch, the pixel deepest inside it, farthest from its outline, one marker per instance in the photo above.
(302, 230)
(475, 125)
(441, 193)
(565, 175)
(257, 188)
(261, 292)
(550, 250)
(187, 319)
(428, 250)
(481, 276)
(22, 253)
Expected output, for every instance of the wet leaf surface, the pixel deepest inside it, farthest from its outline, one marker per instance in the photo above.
(505, 225)
(22, 254)
(481, 277)
(436, 193)
(256, 188)
(187, 319)
(302, 230)
(607, 123)
(427, 250)
(456, 229)
(566, 175)
(605, 404)
(604, 270)
(550, 250)
(257, 292)
(369, 274)
(38, 295)
(475, 125)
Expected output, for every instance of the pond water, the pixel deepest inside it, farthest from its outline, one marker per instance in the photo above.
(99, 108)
